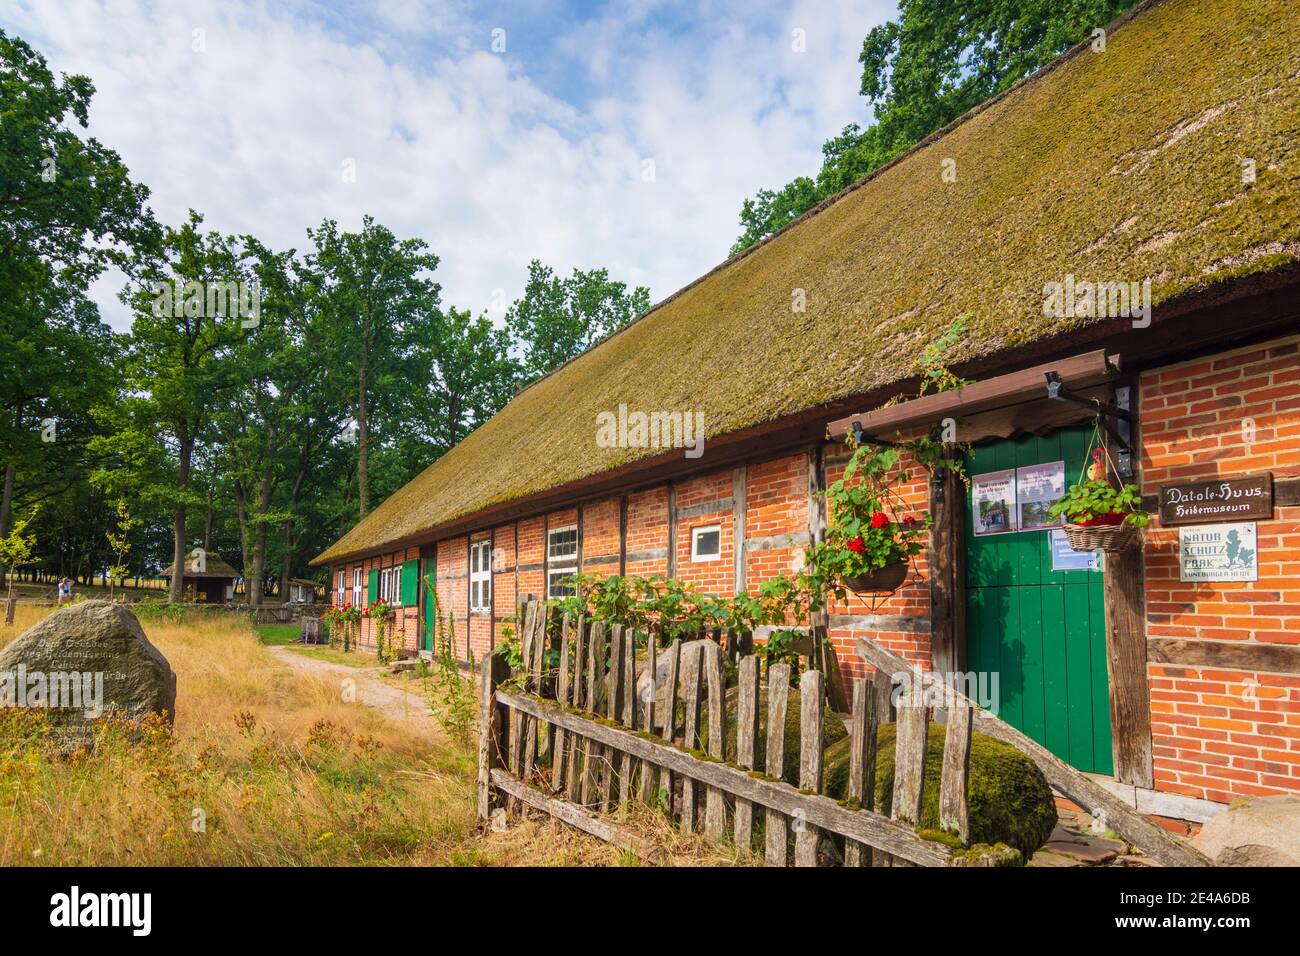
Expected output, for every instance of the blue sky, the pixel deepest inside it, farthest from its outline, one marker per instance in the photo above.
(253, 113)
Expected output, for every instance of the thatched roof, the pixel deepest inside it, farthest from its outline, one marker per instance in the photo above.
(214, 567)
(1111, 166)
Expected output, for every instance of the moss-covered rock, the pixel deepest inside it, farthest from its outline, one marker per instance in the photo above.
(1010, 801)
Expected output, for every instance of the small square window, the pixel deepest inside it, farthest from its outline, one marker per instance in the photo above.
(706, 543)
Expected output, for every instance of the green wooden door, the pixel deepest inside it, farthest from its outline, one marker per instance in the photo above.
(430, 605)
(1042, 631)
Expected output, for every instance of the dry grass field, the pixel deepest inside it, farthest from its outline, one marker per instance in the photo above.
(265, 766)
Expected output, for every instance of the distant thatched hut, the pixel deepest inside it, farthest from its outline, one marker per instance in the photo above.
(207, 577)
(302, 591)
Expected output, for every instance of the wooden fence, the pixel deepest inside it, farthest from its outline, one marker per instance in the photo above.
(580, 739)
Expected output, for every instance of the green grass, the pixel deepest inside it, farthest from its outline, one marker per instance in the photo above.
(336, 656)
(278, 633)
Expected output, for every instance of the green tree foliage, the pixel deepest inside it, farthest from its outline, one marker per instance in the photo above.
(68, 210)
(260, 438)
(373, 287)
(559, 318)
(937, 61)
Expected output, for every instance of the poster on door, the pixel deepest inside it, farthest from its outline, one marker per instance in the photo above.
(1038, 487)
(993, 498)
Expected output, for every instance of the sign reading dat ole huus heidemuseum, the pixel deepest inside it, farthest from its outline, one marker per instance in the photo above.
(1205, 502)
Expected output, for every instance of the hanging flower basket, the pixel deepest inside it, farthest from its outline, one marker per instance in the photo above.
(884, 580)
(1098, 516)
(1103, 533)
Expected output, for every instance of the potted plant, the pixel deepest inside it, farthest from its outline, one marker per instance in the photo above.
(1098, 516)
(867, 549)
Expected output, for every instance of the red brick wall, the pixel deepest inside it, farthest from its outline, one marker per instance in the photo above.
(1216, 733)
(503, 577)
(704, 502)
(901, 622)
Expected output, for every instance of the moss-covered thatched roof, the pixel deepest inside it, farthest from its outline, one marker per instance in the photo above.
(1111, 166)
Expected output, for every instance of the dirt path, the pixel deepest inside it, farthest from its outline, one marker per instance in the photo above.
(403, 707)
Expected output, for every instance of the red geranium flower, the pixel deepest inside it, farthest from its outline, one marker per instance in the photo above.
(911, 520)
(857, 545)
(879, 519)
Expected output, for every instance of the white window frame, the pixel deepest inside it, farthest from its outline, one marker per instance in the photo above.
(358, 587)
(562, 565)
(340, 587)
(390, 585)
(696, 557)
(480, 575)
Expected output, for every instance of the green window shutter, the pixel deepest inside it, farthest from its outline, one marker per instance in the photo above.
(411, 582)
(372, 587)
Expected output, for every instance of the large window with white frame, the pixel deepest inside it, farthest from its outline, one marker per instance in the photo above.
(561, 560)
(358, 587)
(340, 588)
(480, 576)
(390, 585)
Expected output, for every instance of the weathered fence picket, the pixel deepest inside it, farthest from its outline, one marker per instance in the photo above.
(669, 716)
(715, 806)
(608, 720)
(778, 697)
(913, 728)
(811, 703)
(562, 693)
(647, 768)
(954, 813)
(691, 669)
(628, 713)
(746, 746)
(862, 763)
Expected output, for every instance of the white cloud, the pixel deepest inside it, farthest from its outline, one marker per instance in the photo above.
(455, 144)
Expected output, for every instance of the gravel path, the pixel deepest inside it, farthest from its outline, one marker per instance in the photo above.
(401, 706)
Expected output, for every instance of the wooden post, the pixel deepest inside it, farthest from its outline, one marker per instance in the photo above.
(672, 531)
(492, 743)
(947, 561)
(739, 483)
(1126, 649)
(811, 708)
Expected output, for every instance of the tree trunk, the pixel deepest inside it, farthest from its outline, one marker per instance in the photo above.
(7, 508)
(363, 438)
(177, 591)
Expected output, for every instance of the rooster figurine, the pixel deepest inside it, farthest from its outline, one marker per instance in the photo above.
(1097, 470)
